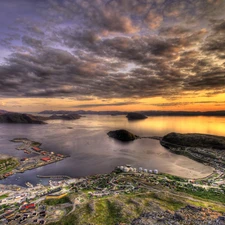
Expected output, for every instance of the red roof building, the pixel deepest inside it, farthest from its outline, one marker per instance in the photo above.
(46, 159)
(28, 206)
(36, 149)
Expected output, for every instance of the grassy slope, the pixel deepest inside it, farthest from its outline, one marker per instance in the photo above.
(124, 208)
(57, 201)
(7, 165)
(120, 209)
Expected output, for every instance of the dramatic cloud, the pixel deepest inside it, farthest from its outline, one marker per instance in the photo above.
(112, 49)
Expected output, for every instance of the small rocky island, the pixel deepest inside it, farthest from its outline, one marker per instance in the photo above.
(122, 135)
(135, 116)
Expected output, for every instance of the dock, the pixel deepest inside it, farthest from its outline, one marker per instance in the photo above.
(54, 176)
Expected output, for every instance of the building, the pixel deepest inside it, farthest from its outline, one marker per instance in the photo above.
(121, 167)
(140, 169)
(28, 206)
(9, 214)
(36, 149)
(145, 170)
(46, 159)
(156, 171)
(150, 171)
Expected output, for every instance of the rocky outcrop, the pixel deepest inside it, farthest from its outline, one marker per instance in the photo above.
(194, 140)
(136, 116)
(185, 216)
(122, 135)
(20, 118)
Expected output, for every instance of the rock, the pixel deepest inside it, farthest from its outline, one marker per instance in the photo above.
(193, 208)
(178, 216)
(221, 218)
(136, 116)
(122, 135)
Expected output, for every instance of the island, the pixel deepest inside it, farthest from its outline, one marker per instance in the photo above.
(122, 135)
(10, 117)
(135, 116)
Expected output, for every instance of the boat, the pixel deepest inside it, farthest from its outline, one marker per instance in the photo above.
(29, 184)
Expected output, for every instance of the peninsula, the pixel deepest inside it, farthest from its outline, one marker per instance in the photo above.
(208, 149)
(10, 165)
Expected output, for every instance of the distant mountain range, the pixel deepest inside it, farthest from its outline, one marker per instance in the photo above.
(147, 113)
(13, 117)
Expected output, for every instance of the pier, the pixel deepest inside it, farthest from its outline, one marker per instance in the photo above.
(54, 176)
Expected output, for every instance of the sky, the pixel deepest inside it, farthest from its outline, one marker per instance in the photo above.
(126, 55)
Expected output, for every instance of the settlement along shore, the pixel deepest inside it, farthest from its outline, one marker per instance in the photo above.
(36, 157)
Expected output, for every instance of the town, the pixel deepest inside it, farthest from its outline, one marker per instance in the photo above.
(46, 204)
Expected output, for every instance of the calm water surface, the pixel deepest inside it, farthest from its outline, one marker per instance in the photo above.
(93, 152)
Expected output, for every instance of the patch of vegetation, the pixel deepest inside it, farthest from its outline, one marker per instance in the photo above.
(4, 206)
(214, 206)
(210, 194)
(175, 178)
(3, 196)
(7, 165)
(165, 201)
(57, 201)
(71, 219)
(35, 143)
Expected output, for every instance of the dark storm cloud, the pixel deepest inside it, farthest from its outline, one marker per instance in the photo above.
(115, 49)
